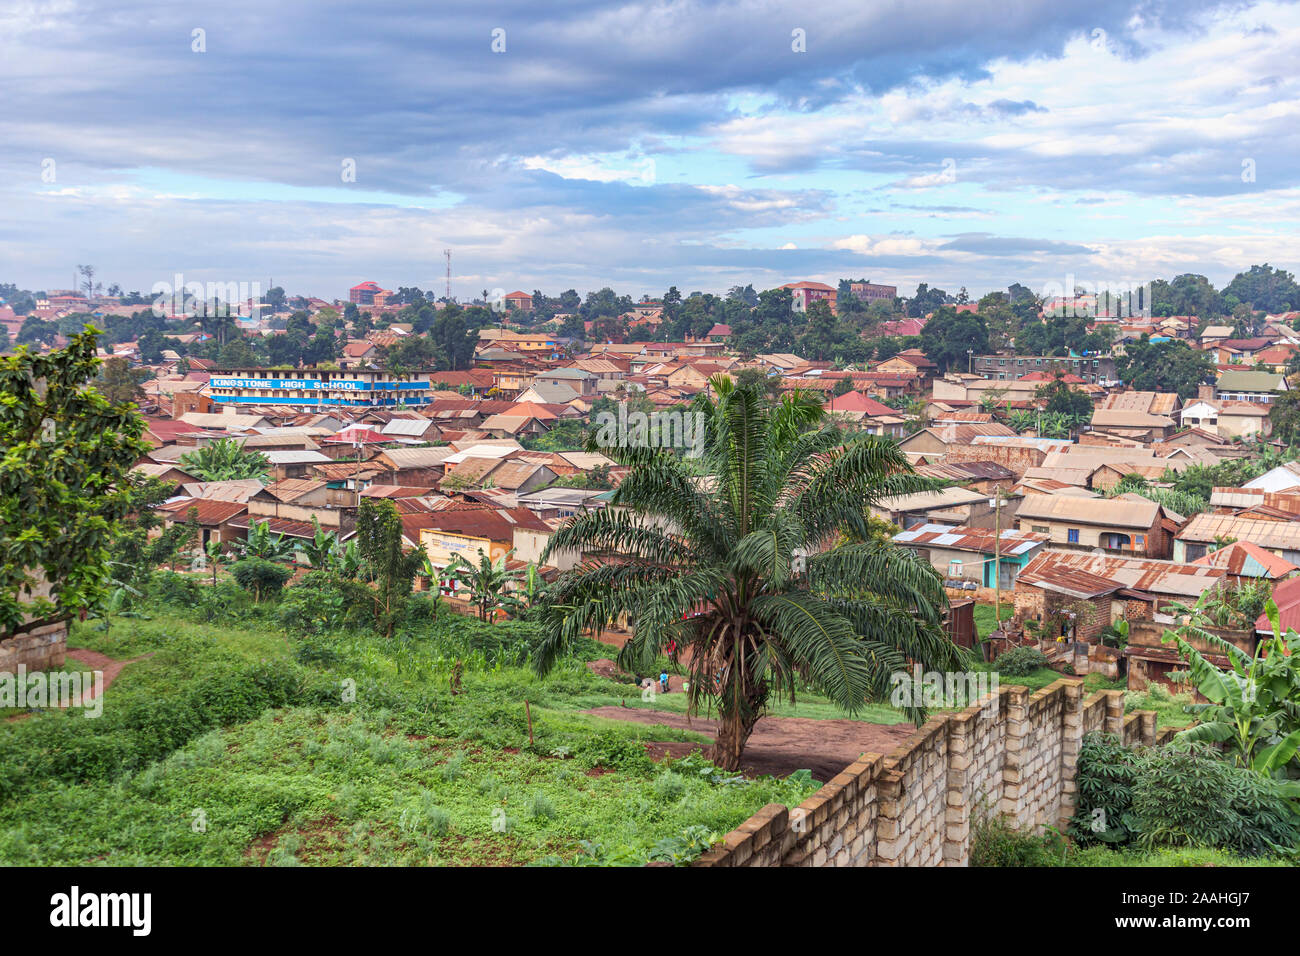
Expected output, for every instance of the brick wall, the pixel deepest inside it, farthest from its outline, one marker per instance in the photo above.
(1013, 755)
(38, 649)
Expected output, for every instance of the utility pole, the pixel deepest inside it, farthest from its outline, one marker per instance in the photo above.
(970, 361)
(997, 556)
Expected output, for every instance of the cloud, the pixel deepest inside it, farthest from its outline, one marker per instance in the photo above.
(649, 143)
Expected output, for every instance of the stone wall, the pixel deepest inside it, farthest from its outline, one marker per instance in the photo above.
(37, 649)
(1013, 754)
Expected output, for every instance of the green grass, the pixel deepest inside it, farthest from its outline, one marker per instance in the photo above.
(362, 755)
(1170, 709)
(1040, 678)
(807, 705)
(986, 623)
(994, 844)
(300, 786)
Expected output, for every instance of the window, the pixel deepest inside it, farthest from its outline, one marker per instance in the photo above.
(954, 568)
(1040, 528)
(1072, 535)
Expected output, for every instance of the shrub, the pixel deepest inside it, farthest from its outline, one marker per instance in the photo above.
(260, 576)
(1019, 662)
(1195, 798)
(66, 748)
(608, 749)
(178, 590)
(994, 843)
(1104, 777)
(1176, 796)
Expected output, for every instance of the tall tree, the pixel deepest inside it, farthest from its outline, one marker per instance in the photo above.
(389, 567)
(64, 482)
(759, 557)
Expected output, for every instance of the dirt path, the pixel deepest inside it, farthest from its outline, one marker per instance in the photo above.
(780, 745)
(94, 661)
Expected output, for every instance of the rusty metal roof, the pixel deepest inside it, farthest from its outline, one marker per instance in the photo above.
(1263, 532)
(1104, 512)
(1010, 542)
(1062, 569)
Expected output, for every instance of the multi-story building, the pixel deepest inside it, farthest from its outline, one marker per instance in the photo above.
(364, 294)
(519, 300)
(312, 387)
(804, 294)
(1090, 368)
(871, 292)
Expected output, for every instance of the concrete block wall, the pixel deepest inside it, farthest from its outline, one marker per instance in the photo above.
(1013, 754)
(37, 649)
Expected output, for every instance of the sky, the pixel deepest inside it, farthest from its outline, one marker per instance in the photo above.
(557, 145)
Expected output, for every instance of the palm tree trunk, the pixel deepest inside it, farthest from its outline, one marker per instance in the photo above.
(733, 733)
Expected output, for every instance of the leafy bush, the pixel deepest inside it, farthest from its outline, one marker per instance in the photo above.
(1019, 662)
(1104, 777)
(67, 748)
(1177, 796)
(610, 750)
(1195, 798)
(177, 590)
(994, 843)
(260, 576)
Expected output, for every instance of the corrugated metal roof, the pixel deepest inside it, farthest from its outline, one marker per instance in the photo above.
(1244, 558)
(417, 457)
(1139, 574)
(411, 427)
(1240, 498)
(926, 500)
(211, 510)
(296, 457)
(1009, 542)
(1208, 528)
(1108, 512)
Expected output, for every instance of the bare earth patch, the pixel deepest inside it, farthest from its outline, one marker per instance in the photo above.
(780, 745)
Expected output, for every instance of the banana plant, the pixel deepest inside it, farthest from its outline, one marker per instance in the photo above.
(347, 560)
(322, 548)
(216, 557)
(488, 581)
(1254, 705)
(529, 590)
(262, 543)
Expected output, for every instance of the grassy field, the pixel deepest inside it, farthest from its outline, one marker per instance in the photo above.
(232, 743)
(237, 745)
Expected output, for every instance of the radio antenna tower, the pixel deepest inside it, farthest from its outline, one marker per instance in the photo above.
(447, 253)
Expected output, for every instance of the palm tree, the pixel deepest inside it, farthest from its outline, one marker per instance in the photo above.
(759, 561)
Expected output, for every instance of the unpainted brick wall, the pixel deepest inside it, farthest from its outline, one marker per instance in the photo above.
(1014, 754)
(37, 650)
